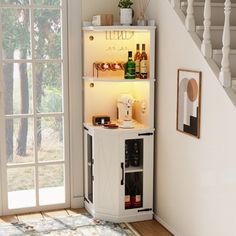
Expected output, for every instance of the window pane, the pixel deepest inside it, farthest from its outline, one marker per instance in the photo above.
(51, 184)
(19, 140)
(47, 34)
(18, 88)
(48, 2)
(21, 188)
(51, 132)
(15, 33)
(19, 2)
(49, 87)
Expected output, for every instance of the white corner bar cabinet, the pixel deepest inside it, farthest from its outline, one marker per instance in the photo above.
(118, 162)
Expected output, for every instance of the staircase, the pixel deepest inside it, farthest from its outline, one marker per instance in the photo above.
(212, 25)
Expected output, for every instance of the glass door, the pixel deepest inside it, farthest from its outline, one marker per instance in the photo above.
(90, 167)
(133, 173)
(137, 173)
(34, 120)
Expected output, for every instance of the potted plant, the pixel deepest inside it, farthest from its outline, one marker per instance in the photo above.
(126, 12)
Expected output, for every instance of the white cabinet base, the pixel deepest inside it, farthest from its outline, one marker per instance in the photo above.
(118, 219)
(108, 181)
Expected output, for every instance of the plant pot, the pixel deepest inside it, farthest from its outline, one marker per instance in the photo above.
(126, 16)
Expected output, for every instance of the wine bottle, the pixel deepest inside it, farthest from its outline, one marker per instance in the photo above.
(127, 196)
(126, 156)
(130, 67)
(143, 64)
(135, 161)
(137, 61)
(136, 197)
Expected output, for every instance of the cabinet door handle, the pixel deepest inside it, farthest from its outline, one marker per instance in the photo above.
(122, 168)
(145, 134)
(147, 209)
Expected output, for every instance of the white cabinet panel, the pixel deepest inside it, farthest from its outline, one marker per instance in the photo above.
(108, 188)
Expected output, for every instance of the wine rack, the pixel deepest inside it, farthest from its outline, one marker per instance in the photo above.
(118, 162)
(108, 67)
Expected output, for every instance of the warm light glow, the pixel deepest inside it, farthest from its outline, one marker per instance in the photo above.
(113, 50)
(102, 98)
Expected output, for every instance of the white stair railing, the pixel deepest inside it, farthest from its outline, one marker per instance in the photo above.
(175, 3)
(190, 20)
(225, 73)
(206, 46)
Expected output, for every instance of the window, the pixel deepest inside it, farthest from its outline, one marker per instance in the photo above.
(35, 82)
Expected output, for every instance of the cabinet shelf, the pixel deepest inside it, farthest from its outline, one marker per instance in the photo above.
(115, 80)
(137, 128)
(133, 169)
(118, 27)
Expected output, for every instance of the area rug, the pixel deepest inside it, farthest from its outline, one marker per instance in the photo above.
(81, 224)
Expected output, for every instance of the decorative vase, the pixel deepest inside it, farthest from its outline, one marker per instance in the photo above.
(126, 16)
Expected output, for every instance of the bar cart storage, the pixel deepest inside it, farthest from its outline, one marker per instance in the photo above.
(118, 158)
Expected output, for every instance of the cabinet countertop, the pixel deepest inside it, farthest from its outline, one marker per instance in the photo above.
(137, 128)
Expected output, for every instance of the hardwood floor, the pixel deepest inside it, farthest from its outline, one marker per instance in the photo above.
(150, 228)
(145, 228)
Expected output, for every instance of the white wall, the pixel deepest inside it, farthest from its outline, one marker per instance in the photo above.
(195, 179)
(95, 7)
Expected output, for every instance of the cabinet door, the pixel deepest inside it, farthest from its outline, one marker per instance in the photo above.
(136, 194)
(106, 172)
(88, 166)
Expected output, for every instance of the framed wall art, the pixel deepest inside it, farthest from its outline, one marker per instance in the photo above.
(189, 102)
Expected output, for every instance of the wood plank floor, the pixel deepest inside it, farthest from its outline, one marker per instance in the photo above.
(146, 228)
(150, 228)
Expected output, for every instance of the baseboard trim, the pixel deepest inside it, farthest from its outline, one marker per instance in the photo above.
(168, 227)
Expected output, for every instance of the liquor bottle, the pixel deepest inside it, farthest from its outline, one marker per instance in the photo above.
(135, 161)
(143, 64)
(130, 67)
(127, 196)
(126, 156)
(136, 195)
(137, 61)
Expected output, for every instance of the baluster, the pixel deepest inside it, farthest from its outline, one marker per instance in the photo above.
(225, 73)
(206, 42)
(175, 3)
(190, 21)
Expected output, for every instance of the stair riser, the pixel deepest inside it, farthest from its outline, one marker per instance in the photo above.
(216, 38)
(218, 59)
(217, 1)
(217, 15)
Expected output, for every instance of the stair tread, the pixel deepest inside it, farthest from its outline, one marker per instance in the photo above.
(201, 4)
(219, 51)
(215, 27)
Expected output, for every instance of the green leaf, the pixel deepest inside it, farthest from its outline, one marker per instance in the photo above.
(125, 4)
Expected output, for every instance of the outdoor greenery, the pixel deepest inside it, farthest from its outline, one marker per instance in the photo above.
(24, 81)
(17, 45)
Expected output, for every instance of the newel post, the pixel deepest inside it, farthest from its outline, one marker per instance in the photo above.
(190, 20)
(206, 46)
(225, 73)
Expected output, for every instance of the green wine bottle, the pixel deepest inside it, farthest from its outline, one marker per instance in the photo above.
(130, 67)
